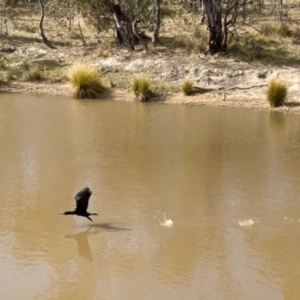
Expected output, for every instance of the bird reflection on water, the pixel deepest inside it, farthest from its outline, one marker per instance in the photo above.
(83, 243)
(81, 238)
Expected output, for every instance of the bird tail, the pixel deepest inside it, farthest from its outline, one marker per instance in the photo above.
(93, 214)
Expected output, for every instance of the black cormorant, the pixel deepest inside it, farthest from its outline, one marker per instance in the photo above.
(82, 202)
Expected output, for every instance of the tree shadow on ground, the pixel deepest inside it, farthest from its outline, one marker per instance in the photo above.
(269, 52)
(50, 64)
(19, 41)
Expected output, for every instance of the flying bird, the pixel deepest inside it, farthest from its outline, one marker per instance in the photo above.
(82, 202)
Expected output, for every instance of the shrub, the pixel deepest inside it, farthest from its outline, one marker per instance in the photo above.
(57, 75)
(33, 74)
(104, 50)
(276, 92)
(296, 33)
(187, 86)
(268, 29)
(10, 76)
(86, 81)
(271, 29)
(141, 87)
(285, 30)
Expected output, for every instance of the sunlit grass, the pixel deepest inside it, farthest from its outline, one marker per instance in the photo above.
(194, 41)
(86, 81)
(275, 29)
(277, 92)
(197, 43)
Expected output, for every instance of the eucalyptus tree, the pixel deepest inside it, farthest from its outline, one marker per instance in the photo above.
(132, 18)
(222, 18)
(213, 11)
(157, 14)
(41, 30)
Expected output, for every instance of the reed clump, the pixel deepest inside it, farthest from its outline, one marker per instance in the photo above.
(187, 86)
(140, 85)
(86, 81)
(277, 92)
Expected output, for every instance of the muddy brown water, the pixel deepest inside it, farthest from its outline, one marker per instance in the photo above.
(193, 202)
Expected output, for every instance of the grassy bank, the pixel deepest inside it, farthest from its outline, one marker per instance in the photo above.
(175, 68)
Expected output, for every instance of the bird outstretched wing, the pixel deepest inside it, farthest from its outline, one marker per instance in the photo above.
(82, 199)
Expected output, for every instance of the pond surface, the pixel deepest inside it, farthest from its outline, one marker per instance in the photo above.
(193, 202)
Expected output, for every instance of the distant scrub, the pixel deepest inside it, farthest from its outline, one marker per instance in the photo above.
(196, 43)
(277, 92)
(86, 81)
(33, 74)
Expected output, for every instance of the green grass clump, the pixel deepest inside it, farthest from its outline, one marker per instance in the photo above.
(86, 81)
(276, 92)
(140, 85)
(187, 86)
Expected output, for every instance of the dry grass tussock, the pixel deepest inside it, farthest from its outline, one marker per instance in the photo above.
(277, 92)
(187, 86)
(86, 81)
(140, 85)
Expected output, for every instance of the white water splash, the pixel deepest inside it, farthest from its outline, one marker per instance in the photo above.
(291, 220)
(167, 222)
(246, 222)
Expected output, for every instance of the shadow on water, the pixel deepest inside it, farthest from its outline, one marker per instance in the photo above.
(292, 104)
(110, 226)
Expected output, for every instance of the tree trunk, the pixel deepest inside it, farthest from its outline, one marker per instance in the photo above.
(155, 38)
(203, 13)
(79, 27)
(45, 40)
(121, 33)
(214, 20)
(140, 39)
(244, 10)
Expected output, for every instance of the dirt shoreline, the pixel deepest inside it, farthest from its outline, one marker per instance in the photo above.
(251, 100)
(231, 82)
